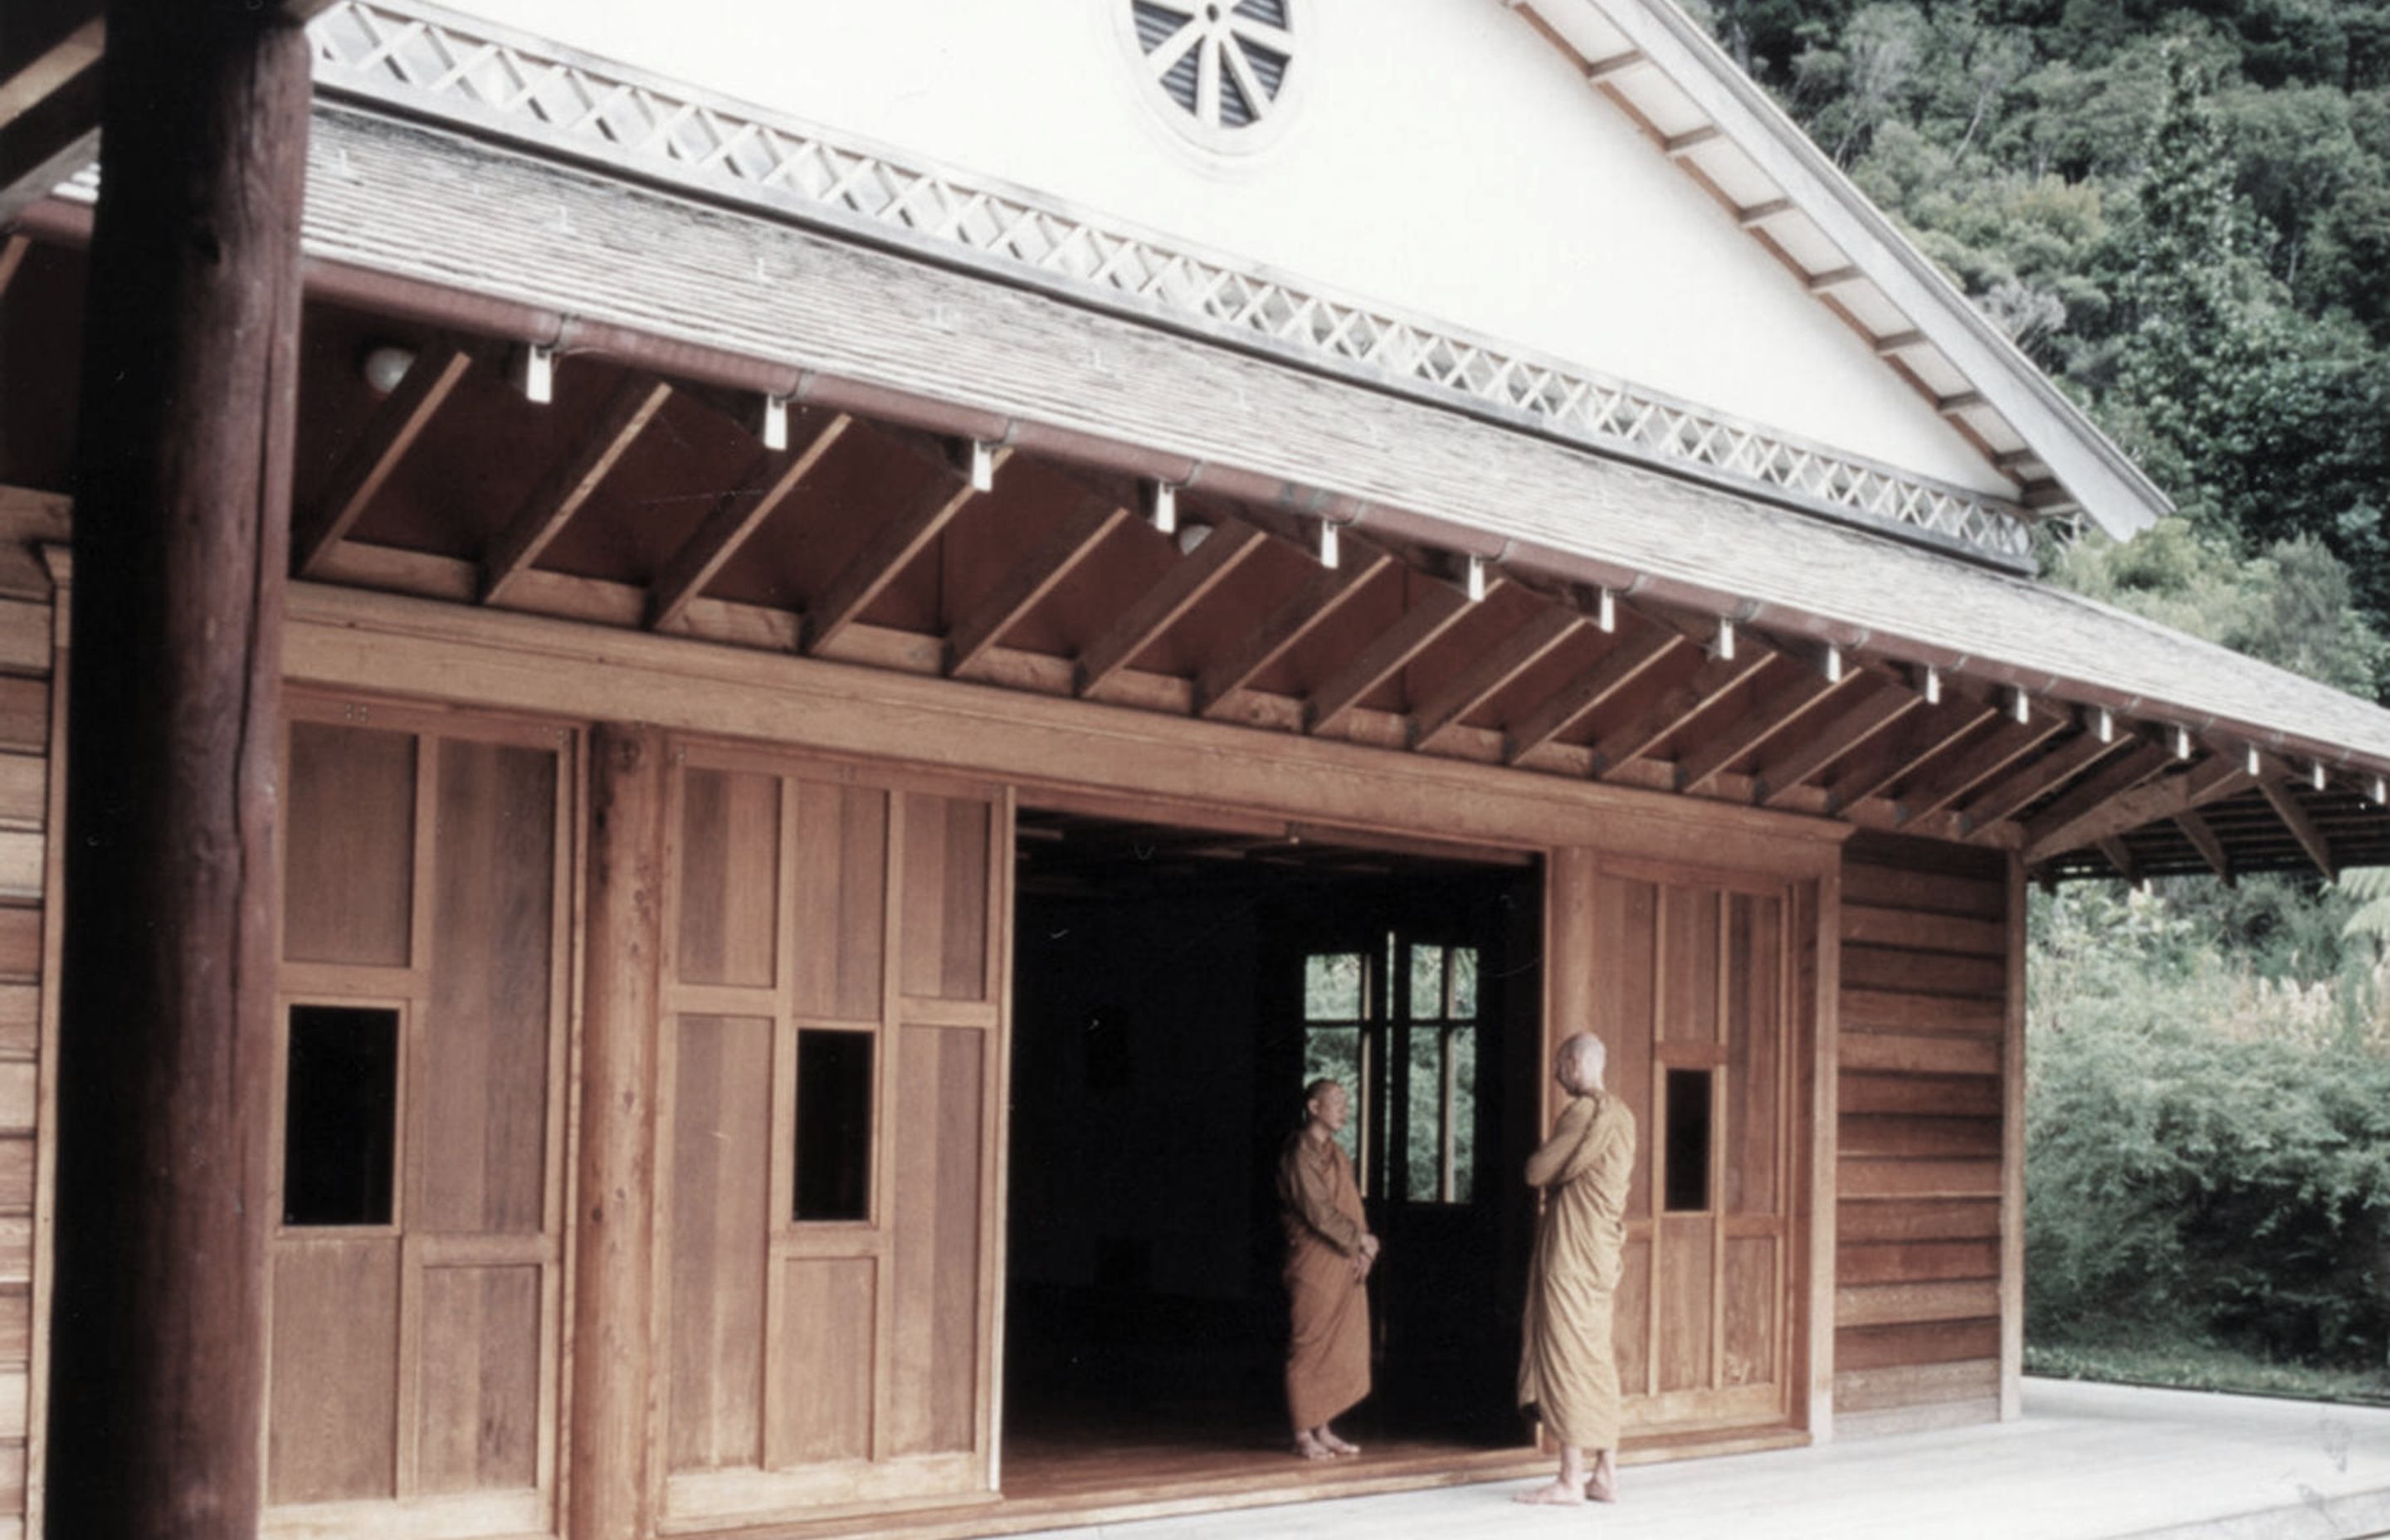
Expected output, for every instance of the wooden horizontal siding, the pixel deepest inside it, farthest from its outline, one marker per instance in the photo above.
(1920, 1136)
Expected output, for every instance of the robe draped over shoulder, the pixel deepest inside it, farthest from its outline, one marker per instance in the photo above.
(1328, 1351)
(1568, 1371)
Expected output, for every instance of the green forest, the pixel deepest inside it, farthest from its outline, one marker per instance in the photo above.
(2182, 212)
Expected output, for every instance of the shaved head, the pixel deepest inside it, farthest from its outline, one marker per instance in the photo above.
(1579, 1063)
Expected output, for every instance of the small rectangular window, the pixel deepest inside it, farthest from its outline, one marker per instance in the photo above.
(1688, 1140)
(1331, 987)
(340, 1124)
(833, 1175)
(1423, 1166)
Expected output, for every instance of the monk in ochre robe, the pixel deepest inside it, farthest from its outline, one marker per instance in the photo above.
(1568, 1373)
(1329, 1254)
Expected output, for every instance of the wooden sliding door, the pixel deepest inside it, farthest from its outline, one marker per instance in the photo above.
(416, 1258)
(835, 999)
(1689, 978)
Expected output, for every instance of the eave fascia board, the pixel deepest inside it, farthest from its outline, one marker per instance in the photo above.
(2110, 488)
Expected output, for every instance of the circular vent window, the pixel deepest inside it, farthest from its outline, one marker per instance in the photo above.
(1222, 70)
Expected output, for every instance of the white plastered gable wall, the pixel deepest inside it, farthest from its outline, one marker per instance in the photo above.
(1441, 158)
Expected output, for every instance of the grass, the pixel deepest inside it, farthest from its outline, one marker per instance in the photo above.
(2197, 1366)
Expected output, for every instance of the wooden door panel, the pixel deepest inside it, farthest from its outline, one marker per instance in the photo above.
(347, 839)
(729, 884)
(1750, 1331)
(477, 1416)
(1688, 975)
(1630, 1324)
(934, 1374)
(720, 1194)
(332, 1411)
(1684, 1302)
(823, 1361)
(947, 852)
(840, 900)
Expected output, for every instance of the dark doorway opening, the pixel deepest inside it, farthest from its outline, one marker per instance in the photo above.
(1174, 989)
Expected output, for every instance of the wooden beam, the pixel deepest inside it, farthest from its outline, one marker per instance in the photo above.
(1777, 782)
(1493, 671)
(1621, 666)
(1902, 754)
(1899, 342)
(569, 483)
(2000, 749)
(2202, 835)
(1833, 278)
(733, 519)
(2285, 803)
(168, 1060)
(1760, 213)
(2212, 779)
(369, 463)
(1964, 400)
(1037, 573)
(2029, 782)
(1623, 745)
(2120, 857)
(1678, 145)
(1322, 595)
(1160, 607)
(50, 118)
(12, 256)
(2076, 809)
(613, 1236)
(897, 541)
(1808, 689)
(1436, 610)
(1616, 64)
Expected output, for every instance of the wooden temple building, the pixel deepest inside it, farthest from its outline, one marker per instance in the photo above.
(704, 710)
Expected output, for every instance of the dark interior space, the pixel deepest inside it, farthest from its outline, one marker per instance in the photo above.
(1175, 989)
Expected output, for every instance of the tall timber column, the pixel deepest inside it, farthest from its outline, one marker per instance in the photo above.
(166, 1069)
(615, 1255)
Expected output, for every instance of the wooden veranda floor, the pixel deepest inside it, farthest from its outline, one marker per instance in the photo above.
(2086, 1462)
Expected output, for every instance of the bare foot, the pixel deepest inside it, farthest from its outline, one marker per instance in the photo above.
(1336, 1444)
(1310, 1448)
(1554, 1495)
(1601, 1489)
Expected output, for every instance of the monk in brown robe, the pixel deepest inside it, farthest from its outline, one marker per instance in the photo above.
(1568, 1371)
(1329, 1254)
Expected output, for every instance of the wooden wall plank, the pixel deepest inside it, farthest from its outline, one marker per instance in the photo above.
(1875, 885)
(19, 1101)
(24, 636)
(1921, 1137)
(1907, 1054)
(1875, 1347)
(17, 1174)
(1688, 981)
(1976, 1096)
(720, 1182)
(24, 790)
(1921, 930)
(20, 942)
(331, 1414)
(1919, 1178)
(1923, 972)
(1862, 1223)
(1890, 1303)
(1919, 1261)
(21, 1020)
(1916, 1384)
(1936, 1015)
(946, 855)
(24, 714)
(348, 845)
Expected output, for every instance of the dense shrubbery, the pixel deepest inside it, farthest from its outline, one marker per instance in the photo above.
(2208, 1147)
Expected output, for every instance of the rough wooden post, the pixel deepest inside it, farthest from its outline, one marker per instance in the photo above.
(166, 1077)
(614, 1287)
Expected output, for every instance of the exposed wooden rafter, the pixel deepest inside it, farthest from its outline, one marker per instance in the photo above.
(370, 461)
(2120, 857)
(1322, 595)
(49, 117)
(1432, 613)
(2000, 749)
(1036, 575)
(2202, 835)
(2211, 780)
(1782, 778)
(569, 484)
(2059, 826)
(2019, 789)
(12, 256)
(2285, 803)
(1159, 607)
(868, 575)
(1922, 738)
(1494, 670)
(1629, 741)
(1621, 666)
(733, 519)
(1808, 689)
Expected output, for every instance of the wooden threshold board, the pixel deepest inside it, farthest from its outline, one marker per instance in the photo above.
(1118, 1483)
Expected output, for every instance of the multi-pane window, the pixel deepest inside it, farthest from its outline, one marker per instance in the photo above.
(1397, 1026)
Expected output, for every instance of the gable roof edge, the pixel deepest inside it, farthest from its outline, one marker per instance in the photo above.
(2102, 480)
